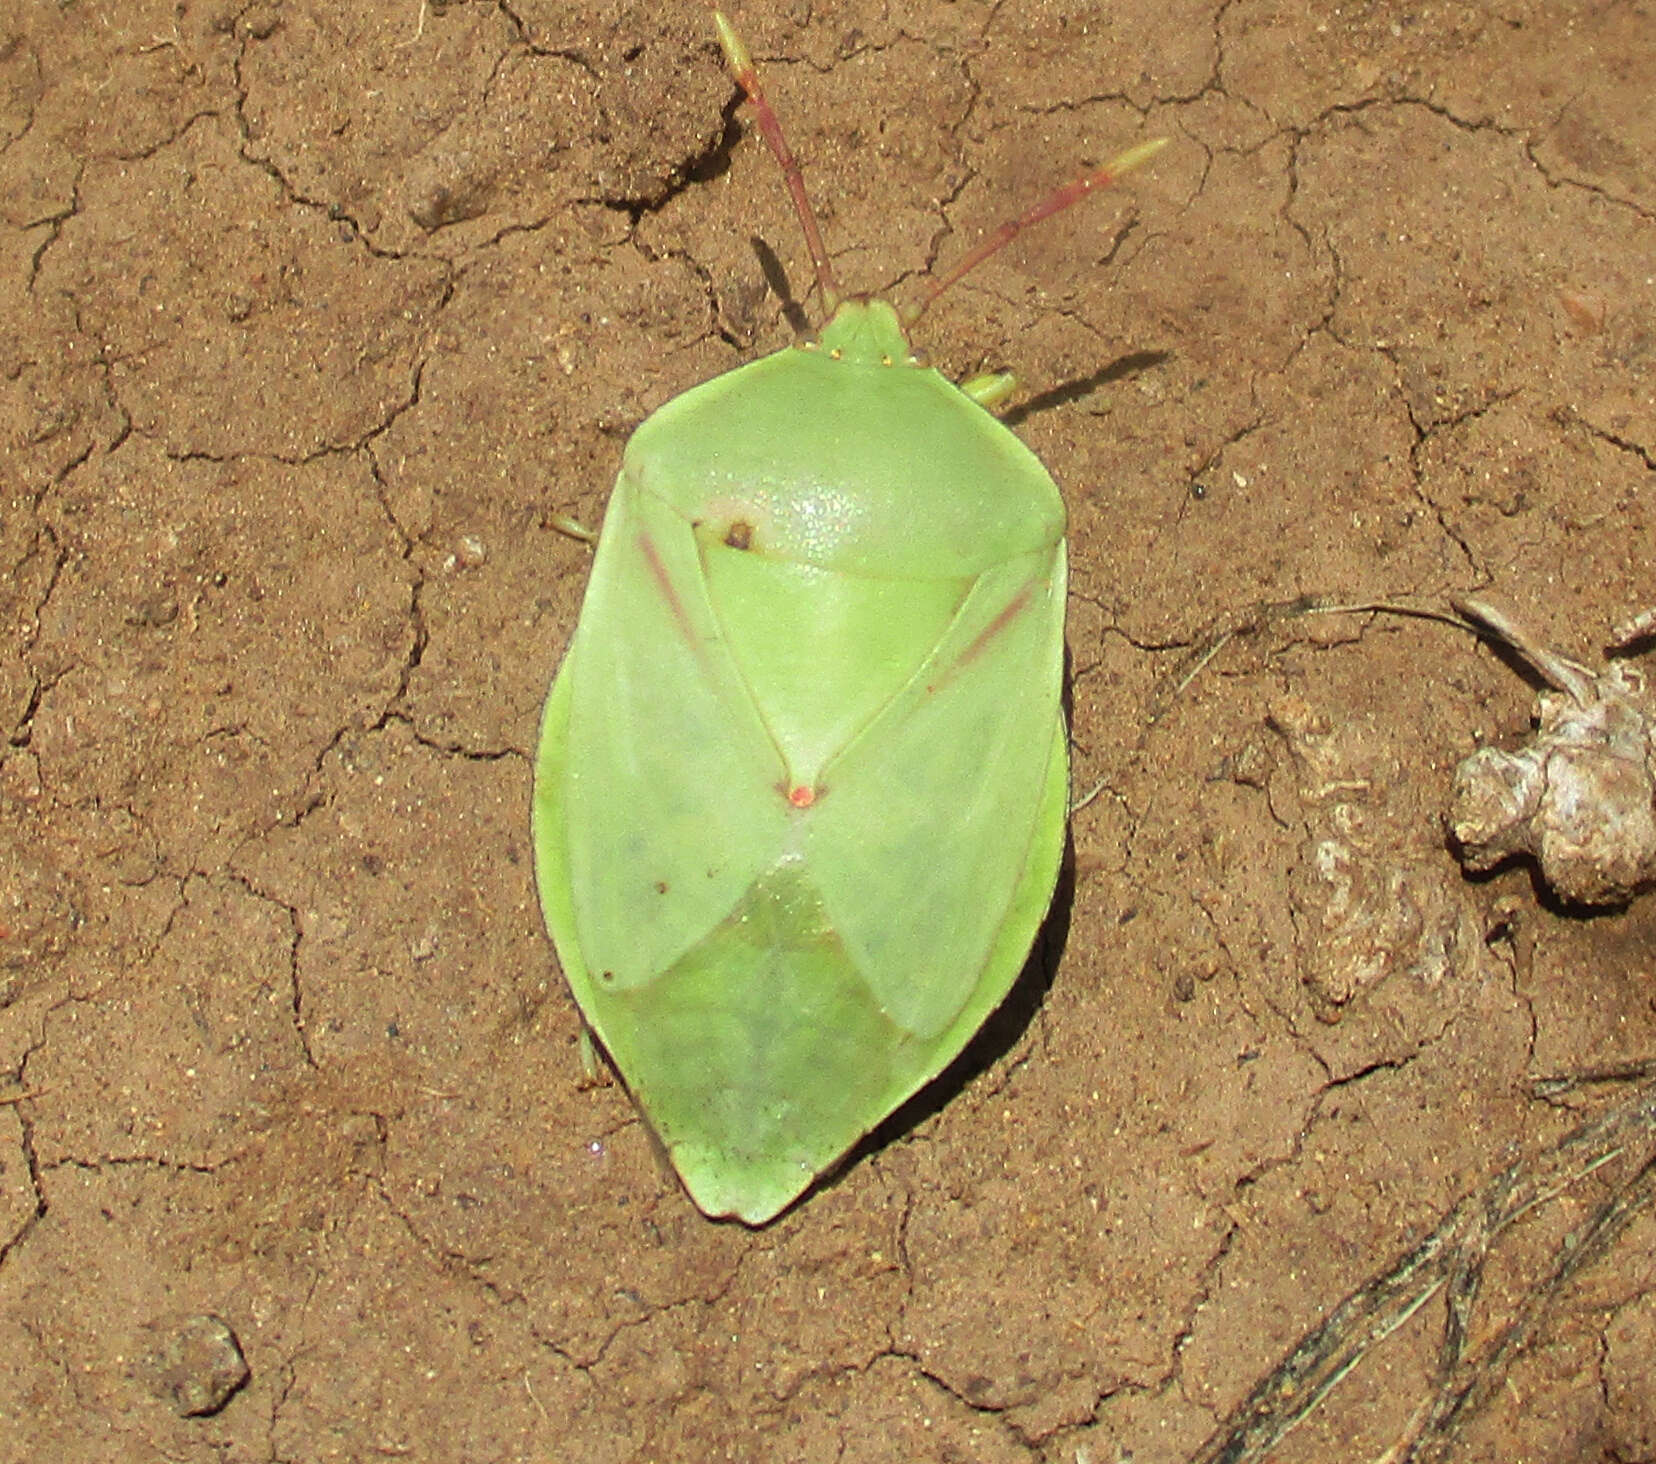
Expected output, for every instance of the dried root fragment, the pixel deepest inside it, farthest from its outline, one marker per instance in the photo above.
(1580, 797)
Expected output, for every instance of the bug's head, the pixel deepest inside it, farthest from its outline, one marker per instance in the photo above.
(867, 331)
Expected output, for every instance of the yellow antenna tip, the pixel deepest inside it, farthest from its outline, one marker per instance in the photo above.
(737, 56)
(1135, 156)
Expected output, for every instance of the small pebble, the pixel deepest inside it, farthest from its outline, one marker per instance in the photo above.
(198, 1366)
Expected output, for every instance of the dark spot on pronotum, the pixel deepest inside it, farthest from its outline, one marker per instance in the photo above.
(739, 535)
(606, 975)
(661, 886)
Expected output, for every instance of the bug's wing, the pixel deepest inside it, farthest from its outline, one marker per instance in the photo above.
(931, 816)
(668, 804)
(659, 824)
(769, 983)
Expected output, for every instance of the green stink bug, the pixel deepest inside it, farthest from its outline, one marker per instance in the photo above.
(802, 780)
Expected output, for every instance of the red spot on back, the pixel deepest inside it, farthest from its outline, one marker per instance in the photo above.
(802, 796)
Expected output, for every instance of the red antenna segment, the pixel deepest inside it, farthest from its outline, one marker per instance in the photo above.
(740, 61)
(1056, 202)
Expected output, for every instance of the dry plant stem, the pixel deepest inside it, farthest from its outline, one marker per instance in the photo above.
(1641, 627)
(1559, 673)
(1454, 1256)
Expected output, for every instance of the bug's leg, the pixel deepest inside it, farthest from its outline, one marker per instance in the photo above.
(564, 524)
(990, 388)
(592, 1067)
(740, 61)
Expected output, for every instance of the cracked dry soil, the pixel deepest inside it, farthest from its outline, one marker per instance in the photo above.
(316, 316)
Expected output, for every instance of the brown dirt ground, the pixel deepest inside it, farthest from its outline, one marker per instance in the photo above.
(315, 316)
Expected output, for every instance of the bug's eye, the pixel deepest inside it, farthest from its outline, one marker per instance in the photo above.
(739, 535)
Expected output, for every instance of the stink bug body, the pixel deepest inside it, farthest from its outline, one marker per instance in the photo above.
(802, 780)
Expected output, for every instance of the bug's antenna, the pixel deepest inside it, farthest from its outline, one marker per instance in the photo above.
(1072, 192)
(740, 61)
